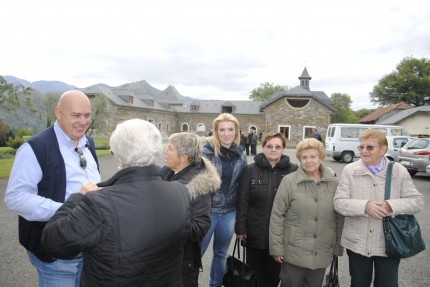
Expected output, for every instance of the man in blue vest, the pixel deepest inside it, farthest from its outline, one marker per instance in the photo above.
(48, 168)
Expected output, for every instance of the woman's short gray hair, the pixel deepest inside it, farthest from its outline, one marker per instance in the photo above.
(187, 144)
(136, 142)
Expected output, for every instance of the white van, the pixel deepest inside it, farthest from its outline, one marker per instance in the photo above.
(341, 140)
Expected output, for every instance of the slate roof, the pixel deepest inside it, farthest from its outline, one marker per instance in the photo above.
(299, 92)
(171, 100)
(404, 114)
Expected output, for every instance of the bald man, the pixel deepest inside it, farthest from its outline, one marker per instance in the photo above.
(48, 168)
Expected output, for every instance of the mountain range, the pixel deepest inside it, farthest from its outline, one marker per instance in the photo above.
(44, 87)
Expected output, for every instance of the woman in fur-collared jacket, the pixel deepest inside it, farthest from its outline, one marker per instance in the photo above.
(184, 163)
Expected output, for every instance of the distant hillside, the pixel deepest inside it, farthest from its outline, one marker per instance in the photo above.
(42, 86)
(37, 120)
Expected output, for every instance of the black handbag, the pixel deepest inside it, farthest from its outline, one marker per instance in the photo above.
(402, 232)
(238, 273)
(332, 278)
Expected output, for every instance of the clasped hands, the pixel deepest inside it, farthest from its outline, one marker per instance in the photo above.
(378, 209)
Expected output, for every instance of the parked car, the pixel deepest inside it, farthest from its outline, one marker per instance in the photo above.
(395, 143)
(415, 155)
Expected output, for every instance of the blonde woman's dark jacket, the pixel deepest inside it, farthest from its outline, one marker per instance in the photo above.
(304, 227)
(224, 199)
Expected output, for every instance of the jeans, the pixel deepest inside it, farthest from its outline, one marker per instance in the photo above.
(222, 227)
(64, 273)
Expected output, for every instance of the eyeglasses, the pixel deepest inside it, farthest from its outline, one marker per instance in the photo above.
(277, 147)
(82, 160)
(368, 147)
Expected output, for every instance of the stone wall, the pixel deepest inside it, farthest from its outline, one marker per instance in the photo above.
(279, 113)
(275, 115)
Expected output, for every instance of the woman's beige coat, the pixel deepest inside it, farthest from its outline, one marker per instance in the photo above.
(304, 227)
(363, 234)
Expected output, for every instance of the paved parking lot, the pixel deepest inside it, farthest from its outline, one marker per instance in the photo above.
(16, 271)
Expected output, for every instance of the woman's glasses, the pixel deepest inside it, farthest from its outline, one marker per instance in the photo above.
(82, 160)
(368, 147)
(277, 147)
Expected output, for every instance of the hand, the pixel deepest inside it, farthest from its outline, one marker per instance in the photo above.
(88, 187)
(331, 171)
(377, 209)
(241, 236)
(278, 259)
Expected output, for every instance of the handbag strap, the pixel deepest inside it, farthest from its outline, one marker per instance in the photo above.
(388, 180)
(238, 249)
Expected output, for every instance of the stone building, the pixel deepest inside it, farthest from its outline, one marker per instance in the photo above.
(294, 112)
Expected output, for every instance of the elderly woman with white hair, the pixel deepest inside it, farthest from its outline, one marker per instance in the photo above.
(132, 227)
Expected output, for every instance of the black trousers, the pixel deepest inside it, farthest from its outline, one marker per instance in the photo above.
(266, 267)
(190, 276)
(247, 149)
(361, 270)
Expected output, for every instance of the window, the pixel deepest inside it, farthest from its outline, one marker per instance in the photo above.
(285, 130)
(201, 128)
(227, 110)
(307, 131)
(298, 103)
(184, 128)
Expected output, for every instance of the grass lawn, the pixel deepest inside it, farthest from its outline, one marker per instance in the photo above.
(6, 164)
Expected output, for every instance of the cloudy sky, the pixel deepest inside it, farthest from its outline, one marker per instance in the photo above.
(208, 49)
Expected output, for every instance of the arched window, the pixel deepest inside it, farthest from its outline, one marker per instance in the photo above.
(201, 128)
(184, 127)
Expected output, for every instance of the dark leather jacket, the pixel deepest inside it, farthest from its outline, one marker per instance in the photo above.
(225, 201)
(257, 190)
(132, 231)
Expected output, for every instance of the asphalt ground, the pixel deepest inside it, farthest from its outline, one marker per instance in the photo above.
(16, 270)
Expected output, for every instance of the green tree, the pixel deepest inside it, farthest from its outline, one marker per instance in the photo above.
(409, 83)
(11, 95)
(265, 91)
(51, 101)
(5, 132)
(342, 103)
(363, 112)
(99, 113)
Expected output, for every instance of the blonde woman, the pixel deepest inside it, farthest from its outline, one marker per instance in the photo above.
(227, 155)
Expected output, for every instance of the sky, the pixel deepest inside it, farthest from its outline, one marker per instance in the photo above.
(219, 49)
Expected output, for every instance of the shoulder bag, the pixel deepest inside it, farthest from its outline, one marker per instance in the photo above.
(402, 232)
(238, 273)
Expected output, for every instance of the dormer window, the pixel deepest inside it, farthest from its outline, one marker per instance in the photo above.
(227, 110)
